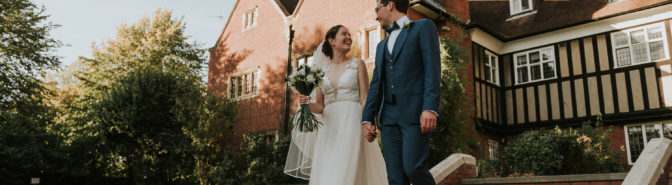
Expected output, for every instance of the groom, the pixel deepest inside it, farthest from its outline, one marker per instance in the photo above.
(404, 93)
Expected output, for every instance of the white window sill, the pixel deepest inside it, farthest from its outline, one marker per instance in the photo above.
(529, 82)
(522, 14)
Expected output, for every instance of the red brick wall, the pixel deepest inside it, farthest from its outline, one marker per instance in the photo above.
(263, 46)
(617, 137)
(666, 177)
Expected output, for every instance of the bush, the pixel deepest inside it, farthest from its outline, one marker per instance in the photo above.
(556, 152)
(451, 135)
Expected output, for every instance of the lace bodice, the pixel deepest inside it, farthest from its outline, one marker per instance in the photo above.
(345, 88)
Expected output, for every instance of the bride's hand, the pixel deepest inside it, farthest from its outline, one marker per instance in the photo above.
(303, 99)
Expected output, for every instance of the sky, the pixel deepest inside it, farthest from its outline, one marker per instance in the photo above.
(86, 21)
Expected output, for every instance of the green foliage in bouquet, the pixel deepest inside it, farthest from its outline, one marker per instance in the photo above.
(303, 81)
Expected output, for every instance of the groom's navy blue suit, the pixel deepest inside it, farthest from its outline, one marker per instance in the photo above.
(405, 83)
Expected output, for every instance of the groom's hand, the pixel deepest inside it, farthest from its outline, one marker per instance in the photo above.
(368, 131)
(427, 121)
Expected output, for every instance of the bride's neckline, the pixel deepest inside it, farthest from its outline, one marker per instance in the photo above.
(342, 66)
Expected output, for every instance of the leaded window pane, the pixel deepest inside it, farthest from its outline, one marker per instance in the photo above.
(623, 56)
(487, 73)
(667, 130)
(637, 37)
(536, 72)
(621, 39)
(522, 59)
(636, 142)
(525, 4)
(657, 50)
(652, 132)
(494, 75)
(549, 70)
(639, 53)
(534, 57)
(522, 74)
(493, 61)
(655, 33)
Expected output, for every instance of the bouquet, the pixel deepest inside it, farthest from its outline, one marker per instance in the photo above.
(303, 81)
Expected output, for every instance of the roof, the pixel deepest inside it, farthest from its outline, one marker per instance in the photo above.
(288, 6)
(494, 16)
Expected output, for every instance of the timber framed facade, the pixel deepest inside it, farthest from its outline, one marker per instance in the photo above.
(615, 66)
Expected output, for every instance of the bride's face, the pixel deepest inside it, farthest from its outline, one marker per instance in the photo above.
(342, 41)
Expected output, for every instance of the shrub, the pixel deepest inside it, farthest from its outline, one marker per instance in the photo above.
(556, 152)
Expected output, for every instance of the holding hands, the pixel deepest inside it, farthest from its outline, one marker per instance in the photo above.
(369, 132)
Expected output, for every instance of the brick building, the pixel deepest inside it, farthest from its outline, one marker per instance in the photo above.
(249, 61)
(532, 64)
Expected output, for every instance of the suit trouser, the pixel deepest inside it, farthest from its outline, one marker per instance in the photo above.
(406, 150)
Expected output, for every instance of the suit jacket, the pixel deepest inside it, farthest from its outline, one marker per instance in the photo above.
(415, 67)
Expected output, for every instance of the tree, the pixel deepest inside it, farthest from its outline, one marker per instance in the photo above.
(147, 117)
(141, 99)
(27, 148)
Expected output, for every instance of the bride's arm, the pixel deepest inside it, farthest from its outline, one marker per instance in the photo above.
(363, 81)
(318, 106)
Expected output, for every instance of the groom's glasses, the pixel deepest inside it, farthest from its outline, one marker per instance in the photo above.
(378, 6)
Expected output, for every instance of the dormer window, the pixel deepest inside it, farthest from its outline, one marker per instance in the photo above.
(520, 6)
(250, 19)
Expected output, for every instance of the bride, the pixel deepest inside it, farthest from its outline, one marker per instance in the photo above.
(337, 153)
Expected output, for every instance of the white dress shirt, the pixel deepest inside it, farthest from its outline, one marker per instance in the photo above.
(393, 36)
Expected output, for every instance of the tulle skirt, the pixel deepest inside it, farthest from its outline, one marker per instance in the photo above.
(337, 153)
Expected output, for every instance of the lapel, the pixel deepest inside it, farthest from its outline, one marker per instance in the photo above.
(380, 54)
(401, 39)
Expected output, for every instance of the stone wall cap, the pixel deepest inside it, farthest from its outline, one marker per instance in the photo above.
(546, 179)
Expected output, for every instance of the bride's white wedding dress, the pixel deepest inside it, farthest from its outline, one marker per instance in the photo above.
(340, 154)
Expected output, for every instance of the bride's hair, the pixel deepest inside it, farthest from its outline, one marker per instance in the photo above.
(326, 47)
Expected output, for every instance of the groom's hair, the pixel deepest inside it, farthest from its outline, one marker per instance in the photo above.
(331, 34)
(400, 5)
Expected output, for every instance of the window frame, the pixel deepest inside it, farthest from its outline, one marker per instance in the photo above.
(488, 63)
(249, 87)
(541, 64)
(512, 8)
(493, 146)
(660, 125)
(250, 18)
(367, 55)
(647, 42)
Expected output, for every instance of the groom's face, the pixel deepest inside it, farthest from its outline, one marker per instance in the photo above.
(383, 13)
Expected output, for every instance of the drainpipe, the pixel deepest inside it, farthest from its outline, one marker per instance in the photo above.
(285, 124)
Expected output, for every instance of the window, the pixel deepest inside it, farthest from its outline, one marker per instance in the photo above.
(250, 18)
(491, 72)
(244, 85)
(306, 60)
(493, 146)
(639, 45)
(639, 135)
(372, 39)
(520, 6)
(248, 83)
(535, 65)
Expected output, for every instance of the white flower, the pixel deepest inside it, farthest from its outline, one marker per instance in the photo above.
(310, 78)
(301, 72)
